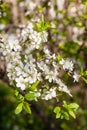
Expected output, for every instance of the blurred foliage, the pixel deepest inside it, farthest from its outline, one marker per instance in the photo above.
(6, 14)
(69, 110)
(9, 120)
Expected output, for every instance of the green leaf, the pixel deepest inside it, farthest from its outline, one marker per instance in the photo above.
(19, 108)
(79, 24)
(30, 96)
(26, 107)
(85, 80)
(34, 85)
(65, 104)
(70, 106)
(14, 82)
(58, 115)
(64, 115)
(84, 75)
(43, 20)
(74, 106)
(59, 57)
(68, 49)
(72, 114)
(40, 9)
(42, 25)
(57, 109)
(16, 93)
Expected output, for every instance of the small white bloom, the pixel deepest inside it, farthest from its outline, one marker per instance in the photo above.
(67, 64)
(62, 62)
(51, 76)
(20, 83)
(76, 77)
(47, 95)
(64, 89)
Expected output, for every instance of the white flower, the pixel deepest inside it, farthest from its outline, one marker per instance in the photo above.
(64, 89)
(30, 5)
(42, 66)
(62, 62)
(39, 76)
(51, 76)
(46, 51)
(49, 94)
(21, 83)
(76, 77)
(67, 64)
(2, 26)
(30, 26)
(15, 45)
(29, 58)
(38, 94)
(44, 36)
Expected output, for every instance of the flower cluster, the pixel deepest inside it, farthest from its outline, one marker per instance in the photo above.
(29, 5)
(29, 60)
(67, 65)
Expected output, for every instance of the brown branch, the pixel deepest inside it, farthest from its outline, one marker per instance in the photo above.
(14, 10)
(9, 26)
(83, 44)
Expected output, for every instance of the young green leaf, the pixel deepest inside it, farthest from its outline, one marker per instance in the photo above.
(73, 106)
(16, 93)
(72, 114)
(85, 80)
(64, 115)
(34, 85)
(26, 107)
(18, 108)
(41, 9)
(57, 109)
(30, 96)
(58, 115)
